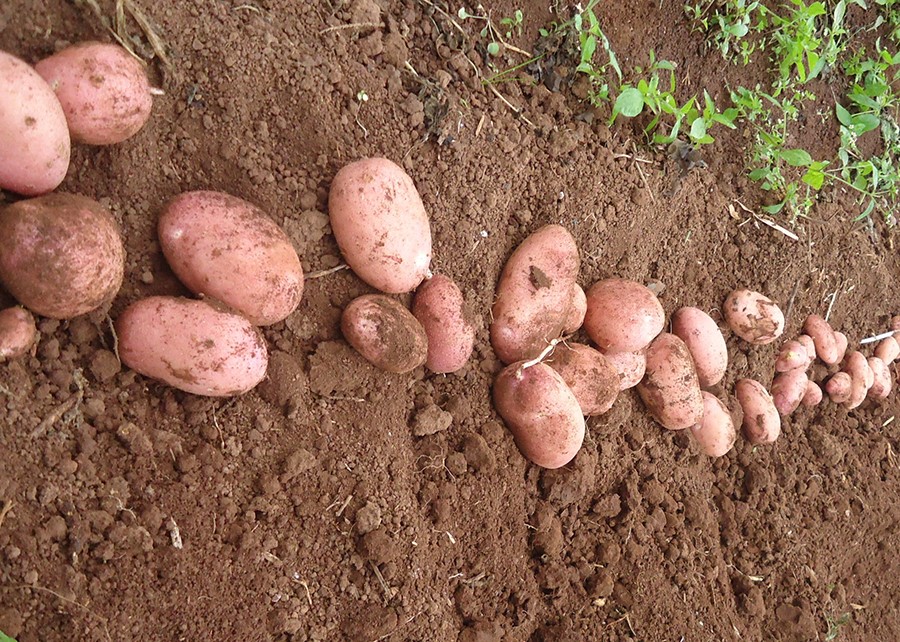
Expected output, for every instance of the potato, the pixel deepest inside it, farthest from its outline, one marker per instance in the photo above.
(380, 224)
(61, 255)
(622, 316)
(882, 383)
(542, 413)
(192, 346)
(841, 343)
(226, 248)
(793, 356)
(103, 91)
(593, 379)
(17, 332)
(440, 308)
(762, 424)
(715, 432)
(813, 394)
(806, 341)
(888, 350)
(576, 313)
(705, 342)
(862, 378)
(534, 295)
(788, 390)
(839, 387)
(753, 317)
(35, 138)
(385, 333)
(823, 337)
(631, 367)
(670, 389)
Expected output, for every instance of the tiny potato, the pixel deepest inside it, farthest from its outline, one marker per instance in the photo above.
(440, 308)
(755, 318)
(882, 384)
(542, 413)
(385, 333)
(670, 389)
(762, 423)
(838, 387)
(17, 332)
(888, 350)
(841, 342)
(813, 394)
(788, 389)
(706, 344)
(622, 315)
(823, 337)
(576, 313)
(715, 433)
(593, 379)
(631, 367)
(793, 356)
(861, 377)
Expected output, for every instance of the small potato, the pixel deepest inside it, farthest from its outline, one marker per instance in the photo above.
(888, 350)
(670, 389)
(841, 343)
(542, 413)
(813, 394)
(762, 423)
(806, 341)
(593, 379)
(715, 433)
(192, 346)
(793, 356)
(385, 333)
(861, 376)
(754, 317)
(839, 387)
(534, 295)
(103, 90)
(622, 315)
(576, 313)
(823, 337)
(17, 332)
(61, 255)
(705, 342)
(380, 224)
(882, 383)
(224, 247)
(631, 367)
(34, 137)
(788, 390)
(440, 308)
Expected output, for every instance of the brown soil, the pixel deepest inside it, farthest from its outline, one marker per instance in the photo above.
(309, 509)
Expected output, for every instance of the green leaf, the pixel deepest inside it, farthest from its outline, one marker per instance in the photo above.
(843, 115)
(796, 157)
(863, 123)
(629, 103)
(759, 174)
(5, 638)
(773, 209)
(493, 48)
(864, 215)
(588, 47)
(814, 178)
(698, 129)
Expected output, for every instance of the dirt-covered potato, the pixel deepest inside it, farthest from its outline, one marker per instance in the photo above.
(577, 311)
(385, 333)
(788, 390)
(762, 423)
(705, 341)
(622, 315)
(862, 378)
(754, 317)
(809, 345)
(192, 346)
(839, 387)
(670, 389)
(793, 356)
(17, 332)
(715, 433)
(823, 337)
(542, 413)
(380, 224)
(441, 309)
(888, 350)
(61, 255)
(593, 379)
(534, 295)
(841, 342)
(813, 394)
(224, 247)
(882, 383)
(631, 367)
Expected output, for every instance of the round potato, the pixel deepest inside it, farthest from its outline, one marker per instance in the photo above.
(823, 337)
(35, 138)
(755, 318)
(61, 255)
(715, 433)
(762, 423)
(622, 315)
(576, 313)
(793, 356)
(380, 224)
(385, 333)
(705, 341)
(813, 394)
(839, 387)
(840, 342)
(593, 380)
(192, 346)
(534, 295)
(670, 389)
(861, 376)
(888, 350)
(806, 341)
(440, 308)
(226, 248)
(788, 390)
(882, 383)
(103, 91)
(17, 332)
(631, 367)
(542, 413)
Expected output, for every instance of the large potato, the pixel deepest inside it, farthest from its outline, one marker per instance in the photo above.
(380, 224)
(441, 309)
(813, 394)
(226, 248)
(61, 255)
(788, 390)
(34, 137)
(823, 337)
(593, 379)
(541, 412)
(534, 295)
(622, 316)
(861, 376)
(762, 423)
(841, 342)
(704, 341)
(670, 389)
(192, 346)
(17, 332)
(577, 312)
(103, 91)
(715, 432)
(755, 318)
(385, 333)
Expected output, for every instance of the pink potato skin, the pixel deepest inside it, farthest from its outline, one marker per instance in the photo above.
(17, 332)
(841, 342)
(224, 247)
(385, 333)
(813, 394)
(793, 356)
(715, 432)
(888, 350)
(754, 317)
(440, 308)
(103, 91)
(882, 384)
(622, 315)
(838, 387)
(192, 346)
(806, 341)
(33, 130)
(861, 377)
(380, 224)
(823, 337)
(534, 294)
(788, 390)
(542, 413)
(670, 389)
(576, 313)
(762, 423)
(705, 342)
(631, 367)
(593, 380)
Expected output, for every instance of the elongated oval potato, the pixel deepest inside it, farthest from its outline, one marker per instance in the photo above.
(534, 295)
(670, 389)
(715, 434)
(882, 384)
(839, 387)
(385, 333)
(888, 350)
(705, 341)
(788, 389)
(762, 424)
(440, 308)
(593, 380)
(192, 346)
(380, 224)
(542, 413)
(631, 367)
(861, 377)
(793, 356)
(224, 247)
(813, 394)
(17, 332)
(576, 313)
(823, 337)
(754, 317)
(622, 315)
(840, 342)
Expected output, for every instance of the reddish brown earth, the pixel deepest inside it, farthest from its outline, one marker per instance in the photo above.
(336, 502)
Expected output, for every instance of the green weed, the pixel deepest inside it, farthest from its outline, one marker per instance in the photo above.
(5, 638)
(834, 626)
